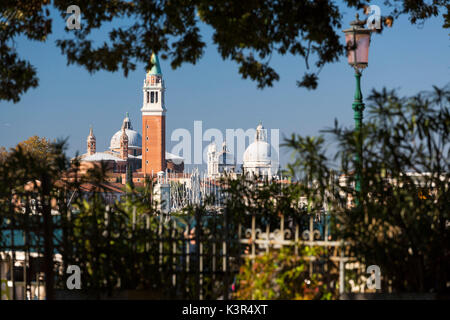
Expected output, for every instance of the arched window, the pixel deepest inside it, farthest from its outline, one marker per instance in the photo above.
(152, 97)
(156, 100)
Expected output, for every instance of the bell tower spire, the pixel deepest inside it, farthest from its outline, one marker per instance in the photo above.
(153, 102)
(124, 144)
(153, 120)
(91, 142)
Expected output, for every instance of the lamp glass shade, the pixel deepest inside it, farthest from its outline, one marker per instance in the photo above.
(359, 56)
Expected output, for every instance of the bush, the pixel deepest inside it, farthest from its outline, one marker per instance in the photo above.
(280, 274)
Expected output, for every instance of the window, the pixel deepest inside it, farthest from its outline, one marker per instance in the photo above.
(146, 138)
(146, 149)
(148, 96)
(152, 97)
(146, 162)
(156, 97)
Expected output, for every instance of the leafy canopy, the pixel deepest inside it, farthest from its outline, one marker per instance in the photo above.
(247, 32)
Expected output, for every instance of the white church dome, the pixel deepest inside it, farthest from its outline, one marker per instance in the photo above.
(134, 138)
(259, 152)
(260, 157)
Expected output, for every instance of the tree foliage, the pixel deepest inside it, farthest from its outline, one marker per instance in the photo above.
(402, 221)
(281, 274)
(29, 175)
(37, 147)
(246, 32)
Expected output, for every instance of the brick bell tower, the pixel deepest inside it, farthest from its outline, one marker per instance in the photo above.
(91, 141)
(153, 121)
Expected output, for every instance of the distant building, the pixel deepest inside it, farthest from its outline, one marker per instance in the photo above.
(132, 155)
(220, 162)
(154, 121)
(260, 158)
(127, 150)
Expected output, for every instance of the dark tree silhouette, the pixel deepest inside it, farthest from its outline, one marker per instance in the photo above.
(247, 32)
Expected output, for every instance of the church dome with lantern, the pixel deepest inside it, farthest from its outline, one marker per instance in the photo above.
(260, 158)
(134, 138)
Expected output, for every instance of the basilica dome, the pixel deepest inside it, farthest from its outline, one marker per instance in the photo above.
(260, 157)
(259, 152)
(134, 138)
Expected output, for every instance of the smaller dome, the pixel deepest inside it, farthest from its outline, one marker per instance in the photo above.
(174, 158)
(260, 156)
(134, 139)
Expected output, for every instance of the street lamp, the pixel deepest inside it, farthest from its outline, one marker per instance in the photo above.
(357, 39)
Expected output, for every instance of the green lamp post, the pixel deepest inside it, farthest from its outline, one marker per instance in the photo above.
(357, 39)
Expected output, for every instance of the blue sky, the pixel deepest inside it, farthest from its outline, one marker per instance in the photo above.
(69, 99)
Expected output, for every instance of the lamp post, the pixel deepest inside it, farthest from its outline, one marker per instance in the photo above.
(357, 39)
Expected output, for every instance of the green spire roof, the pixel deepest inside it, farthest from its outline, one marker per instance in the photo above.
(156, 69)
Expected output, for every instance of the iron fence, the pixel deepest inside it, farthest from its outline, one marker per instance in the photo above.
(195, 256)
